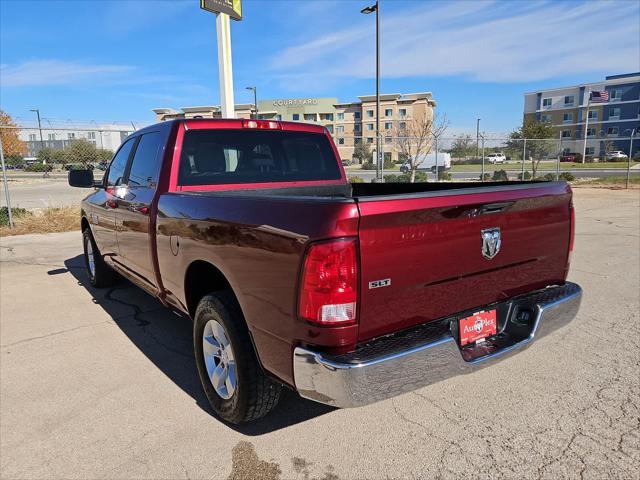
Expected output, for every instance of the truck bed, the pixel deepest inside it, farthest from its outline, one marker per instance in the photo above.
(424, 237)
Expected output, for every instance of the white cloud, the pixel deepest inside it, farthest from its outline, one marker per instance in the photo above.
(55, 72)
(483, 41)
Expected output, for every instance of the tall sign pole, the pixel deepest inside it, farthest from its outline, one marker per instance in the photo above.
(225, 67)
(224, 10)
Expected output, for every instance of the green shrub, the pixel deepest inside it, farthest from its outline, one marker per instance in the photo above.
(421, 177)
(38, 167)
(356, 180)
(500, 176)
(392, 178)
(487, 177)
(444, 175)
(468, 161)
(368, 166)
(549, 177)
(567, 176)
(16, 212)
(14, 159)
(527, 175)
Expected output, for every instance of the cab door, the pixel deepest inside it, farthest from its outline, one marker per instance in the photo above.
(134, 208)
(104, 206)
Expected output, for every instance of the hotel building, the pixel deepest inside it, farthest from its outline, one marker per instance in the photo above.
(349, 123)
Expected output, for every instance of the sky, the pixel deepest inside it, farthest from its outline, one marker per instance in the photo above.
(105, 61)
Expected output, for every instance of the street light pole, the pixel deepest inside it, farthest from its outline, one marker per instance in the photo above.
(255, 99)
(586, 128)
(40, 129)
(633, 132)
(477, 138)
(482, 174)
(380, 156)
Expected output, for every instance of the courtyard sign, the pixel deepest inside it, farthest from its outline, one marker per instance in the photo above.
(295, 102)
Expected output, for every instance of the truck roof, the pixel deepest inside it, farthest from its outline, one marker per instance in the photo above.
(238, 123)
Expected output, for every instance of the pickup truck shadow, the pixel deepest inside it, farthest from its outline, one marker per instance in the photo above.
(166, 339)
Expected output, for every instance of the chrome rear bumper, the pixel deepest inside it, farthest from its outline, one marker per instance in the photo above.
(428, 354)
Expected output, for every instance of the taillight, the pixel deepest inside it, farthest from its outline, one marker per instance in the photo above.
(329, 287)
(572, 234)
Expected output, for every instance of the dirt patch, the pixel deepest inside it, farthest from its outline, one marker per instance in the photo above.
(247, 466)
(47, 220)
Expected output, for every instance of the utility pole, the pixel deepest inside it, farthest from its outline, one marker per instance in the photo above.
(40, 129)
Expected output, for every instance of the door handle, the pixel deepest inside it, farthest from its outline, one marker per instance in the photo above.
(143, 209)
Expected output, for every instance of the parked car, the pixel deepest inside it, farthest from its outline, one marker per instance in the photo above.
(346, 293)
(496, 158)
(571, 157)
(616, 155)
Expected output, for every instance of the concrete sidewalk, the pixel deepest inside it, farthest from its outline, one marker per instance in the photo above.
(102, 384)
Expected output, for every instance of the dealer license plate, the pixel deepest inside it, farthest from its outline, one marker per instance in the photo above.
(478, 326)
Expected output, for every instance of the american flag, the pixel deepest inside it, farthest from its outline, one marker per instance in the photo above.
(599, 97)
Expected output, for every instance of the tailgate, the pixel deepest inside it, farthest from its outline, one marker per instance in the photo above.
(421, 255)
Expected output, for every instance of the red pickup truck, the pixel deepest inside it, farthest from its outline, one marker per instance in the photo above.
(293, 277)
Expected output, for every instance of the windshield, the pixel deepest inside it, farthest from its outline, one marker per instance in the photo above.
(215, 157)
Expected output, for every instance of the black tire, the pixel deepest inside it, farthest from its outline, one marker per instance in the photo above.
(102, 275)
(255, 394)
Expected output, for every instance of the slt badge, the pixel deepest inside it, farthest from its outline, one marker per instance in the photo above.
(490, 242)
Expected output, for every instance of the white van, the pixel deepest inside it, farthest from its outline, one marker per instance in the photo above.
(429, 162)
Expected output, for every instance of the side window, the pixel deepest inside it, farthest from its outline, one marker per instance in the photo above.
(146, 161)
(119, 164)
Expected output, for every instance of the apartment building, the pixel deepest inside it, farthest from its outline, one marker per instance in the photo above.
(610, 123)
(349, 123)
(106, 136)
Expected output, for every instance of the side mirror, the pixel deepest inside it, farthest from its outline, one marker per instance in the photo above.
(81, 178)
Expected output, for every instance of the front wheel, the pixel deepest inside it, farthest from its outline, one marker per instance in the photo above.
(100, 275)
(233, 381)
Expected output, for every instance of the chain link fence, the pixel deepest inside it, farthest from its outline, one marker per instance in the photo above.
(27, 152)
(489, 158)
(53, 151)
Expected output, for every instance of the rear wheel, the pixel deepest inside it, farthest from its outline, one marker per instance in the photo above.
(235, 385)
(100, 275)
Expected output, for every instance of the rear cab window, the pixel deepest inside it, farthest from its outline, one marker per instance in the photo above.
(235, 157)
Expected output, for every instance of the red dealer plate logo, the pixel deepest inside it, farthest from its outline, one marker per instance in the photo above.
(479, 325)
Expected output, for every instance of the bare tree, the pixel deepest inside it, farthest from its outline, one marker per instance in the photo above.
(413, 138)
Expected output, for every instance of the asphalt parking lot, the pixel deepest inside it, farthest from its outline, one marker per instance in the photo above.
(102, 384)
